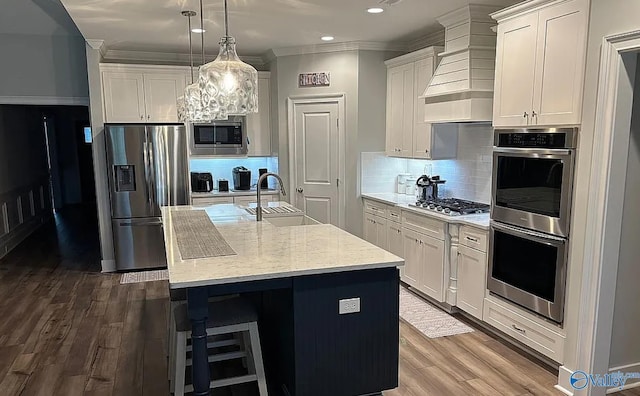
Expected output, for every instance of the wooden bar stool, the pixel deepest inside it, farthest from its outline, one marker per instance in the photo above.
(234, 317)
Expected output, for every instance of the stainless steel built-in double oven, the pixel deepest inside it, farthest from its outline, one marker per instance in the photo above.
(530, 217)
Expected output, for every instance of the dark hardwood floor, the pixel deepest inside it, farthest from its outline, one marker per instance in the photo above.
(67, 329)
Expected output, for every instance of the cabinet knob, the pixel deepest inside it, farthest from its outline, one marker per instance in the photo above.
(526, 114)
(426, 151)
(534, 114)
(300, 190)
(141, 117)
(148, 117)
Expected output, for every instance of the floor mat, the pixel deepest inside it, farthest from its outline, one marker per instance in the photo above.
(429, 320)
(144, 276)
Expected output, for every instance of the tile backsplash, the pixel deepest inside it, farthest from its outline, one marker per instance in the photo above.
(468, 176)
(222, 168)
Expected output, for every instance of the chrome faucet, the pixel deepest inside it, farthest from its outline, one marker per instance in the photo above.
(259, 204)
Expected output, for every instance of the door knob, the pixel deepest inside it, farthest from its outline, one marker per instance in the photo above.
(300, 190)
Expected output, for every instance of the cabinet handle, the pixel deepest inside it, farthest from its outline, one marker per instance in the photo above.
(534, 114)
(519, 330)
(148, 117)
(526, 115)
(141, 117)
(472, 239)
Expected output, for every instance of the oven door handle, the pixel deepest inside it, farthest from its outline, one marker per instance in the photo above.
(528, 151)
(533, 235)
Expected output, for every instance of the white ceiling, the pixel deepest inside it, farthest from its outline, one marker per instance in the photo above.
(258, 25)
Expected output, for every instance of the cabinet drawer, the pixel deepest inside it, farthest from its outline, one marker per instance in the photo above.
(393, 214)
(425, 225)
(211, 201)
(534, 335)
(375, 208)
(474, 238)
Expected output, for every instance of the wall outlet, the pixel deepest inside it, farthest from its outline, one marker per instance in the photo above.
(349, 306)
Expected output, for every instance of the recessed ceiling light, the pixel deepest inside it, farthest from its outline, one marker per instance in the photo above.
(327, 38)
(197, 30)
(375, 10)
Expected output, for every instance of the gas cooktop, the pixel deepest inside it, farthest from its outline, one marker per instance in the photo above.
(452, 206)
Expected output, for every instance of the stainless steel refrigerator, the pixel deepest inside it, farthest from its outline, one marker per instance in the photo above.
(148, 169)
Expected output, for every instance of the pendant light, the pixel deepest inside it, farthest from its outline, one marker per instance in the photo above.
(228, 85)
(190, 104)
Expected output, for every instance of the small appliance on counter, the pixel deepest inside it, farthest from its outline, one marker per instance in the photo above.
(241, 178)
(265, 182)
(428, 187)
(402, 180)
(410, 185)
(223, 185)
(201, 182)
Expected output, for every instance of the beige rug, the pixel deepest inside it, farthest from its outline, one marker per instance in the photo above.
(144, 276)
(429, 320)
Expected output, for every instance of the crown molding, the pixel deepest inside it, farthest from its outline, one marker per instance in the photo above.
(433, 51)
(431, 39)
(524, 7)
(97, 45)
(165, 58)
(334, 47)
(45, 100)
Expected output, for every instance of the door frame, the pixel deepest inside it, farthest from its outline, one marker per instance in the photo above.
(607, 179)
(339, 98)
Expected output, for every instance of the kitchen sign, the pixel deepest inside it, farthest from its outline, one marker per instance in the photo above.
(314, 80)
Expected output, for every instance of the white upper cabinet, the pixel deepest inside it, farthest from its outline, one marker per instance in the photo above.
(160, 93)
(400, 105)
(134, 93)
(407, 134)
(515, 71)
(540, 64)
(560, 63)
(123, 97)
(259, 124)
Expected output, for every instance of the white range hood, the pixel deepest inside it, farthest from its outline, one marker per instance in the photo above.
(461, 89)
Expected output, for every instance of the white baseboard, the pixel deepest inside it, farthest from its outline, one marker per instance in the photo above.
(15, 237)
(108, 266)
(631, 382)
(564, 381)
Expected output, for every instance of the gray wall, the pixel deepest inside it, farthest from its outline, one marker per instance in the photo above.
(23, 156)
(361, 76)
(43, 66)
(607, 17)
(625, 347)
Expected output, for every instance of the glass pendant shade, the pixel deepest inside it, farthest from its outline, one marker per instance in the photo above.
(195, 111)
(182, 116)
(228, 86)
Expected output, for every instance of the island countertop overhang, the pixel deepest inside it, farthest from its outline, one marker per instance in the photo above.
(265, 251)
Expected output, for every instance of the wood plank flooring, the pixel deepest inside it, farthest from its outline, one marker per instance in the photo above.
(67, 329)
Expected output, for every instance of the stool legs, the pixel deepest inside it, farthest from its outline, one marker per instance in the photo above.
(256, 361)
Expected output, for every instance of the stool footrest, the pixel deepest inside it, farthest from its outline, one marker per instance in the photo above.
(217, 344)
(226, 382)
(222, 357)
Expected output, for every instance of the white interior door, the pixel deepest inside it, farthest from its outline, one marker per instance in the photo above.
(317, 160)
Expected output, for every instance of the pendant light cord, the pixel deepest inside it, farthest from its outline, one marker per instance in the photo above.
(202, 29)
(226, 20)
(190, 49)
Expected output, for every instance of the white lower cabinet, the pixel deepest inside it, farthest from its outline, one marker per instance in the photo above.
(207, 201)
(247, 200)
(394, 241)
(412, 258)
(524, 327)
(472, 275)
(424, 263)
(375, 230)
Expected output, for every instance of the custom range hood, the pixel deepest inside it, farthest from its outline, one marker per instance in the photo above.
(461, 89)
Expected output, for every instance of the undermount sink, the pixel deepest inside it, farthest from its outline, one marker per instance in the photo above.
(289, 221)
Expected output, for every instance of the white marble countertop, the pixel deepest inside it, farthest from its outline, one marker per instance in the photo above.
(402, 201)
(236, 193)
(265, 251)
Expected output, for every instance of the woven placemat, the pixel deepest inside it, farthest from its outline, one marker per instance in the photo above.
(197, 237)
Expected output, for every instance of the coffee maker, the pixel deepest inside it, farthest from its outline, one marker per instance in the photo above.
(428, 187)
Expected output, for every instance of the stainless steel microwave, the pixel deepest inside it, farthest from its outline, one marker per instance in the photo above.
(224, 137)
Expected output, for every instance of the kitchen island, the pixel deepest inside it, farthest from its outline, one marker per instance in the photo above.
(297, 275)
